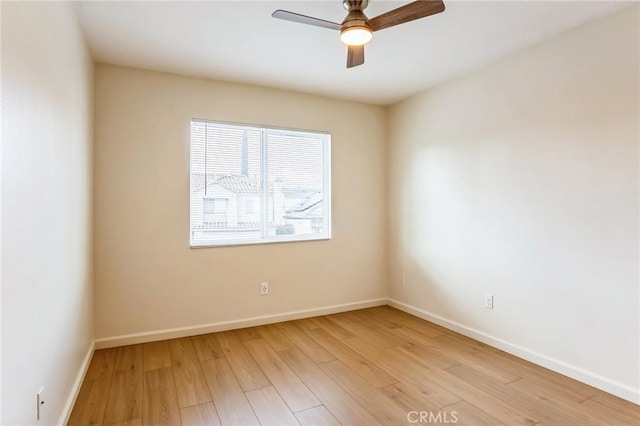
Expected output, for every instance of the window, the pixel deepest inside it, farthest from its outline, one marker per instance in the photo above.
(257, 185)
(215, 209)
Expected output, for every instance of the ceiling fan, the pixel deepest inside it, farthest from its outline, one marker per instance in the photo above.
(357, 30)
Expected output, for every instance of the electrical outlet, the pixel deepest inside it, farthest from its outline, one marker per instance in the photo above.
(488, 301)
(264, 289)
(39, 403)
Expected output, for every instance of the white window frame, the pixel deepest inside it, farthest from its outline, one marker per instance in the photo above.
(264, 237)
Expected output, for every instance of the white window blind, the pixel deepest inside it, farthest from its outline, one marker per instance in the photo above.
(257, 185)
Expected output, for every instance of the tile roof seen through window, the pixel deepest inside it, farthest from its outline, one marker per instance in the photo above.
(239, 184)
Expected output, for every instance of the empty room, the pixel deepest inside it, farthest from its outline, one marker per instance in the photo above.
(320, 213)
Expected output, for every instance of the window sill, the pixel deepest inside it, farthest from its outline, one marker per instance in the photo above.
(253, 243)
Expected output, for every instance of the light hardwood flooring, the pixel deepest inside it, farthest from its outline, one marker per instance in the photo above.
(369, 367)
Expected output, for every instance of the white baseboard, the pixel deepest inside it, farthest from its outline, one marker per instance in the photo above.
(577, 373)
(172, 333)
(75, 390)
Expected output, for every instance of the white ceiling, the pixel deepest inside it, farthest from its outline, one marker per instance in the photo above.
(240, 41)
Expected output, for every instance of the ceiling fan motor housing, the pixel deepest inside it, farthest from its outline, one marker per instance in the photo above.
(356, 16)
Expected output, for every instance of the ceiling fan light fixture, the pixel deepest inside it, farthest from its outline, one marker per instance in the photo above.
(356, 36)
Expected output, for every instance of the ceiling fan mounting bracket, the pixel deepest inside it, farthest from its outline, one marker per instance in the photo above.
(352, 5)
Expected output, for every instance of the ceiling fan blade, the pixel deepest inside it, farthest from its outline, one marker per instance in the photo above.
(304, 19)
(355, 56)
(416, 10)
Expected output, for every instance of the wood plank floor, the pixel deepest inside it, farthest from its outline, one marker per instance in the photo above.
(377, 366)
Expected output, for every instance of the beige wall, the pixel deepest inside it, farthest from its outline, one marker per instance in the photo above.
(521, 180)
(47, 301)
(148, 279)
